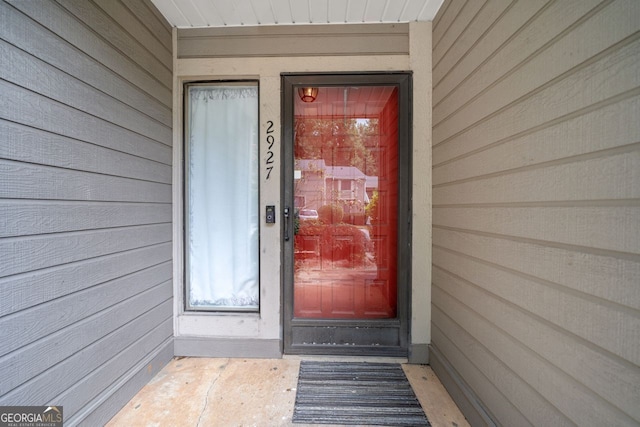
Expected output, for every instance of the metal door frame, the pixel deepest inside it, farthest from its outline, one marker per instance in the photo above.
(393, 333)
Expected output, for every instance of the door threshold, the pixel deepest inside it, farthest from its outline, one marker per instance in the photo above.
(330, 358)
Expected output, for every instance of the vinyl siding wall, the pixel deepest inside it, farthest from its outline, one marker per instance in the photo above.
(85, 203)
(536, 216)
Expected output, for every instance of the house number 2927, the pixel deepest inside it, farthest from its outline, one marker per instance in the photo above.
(270, 141)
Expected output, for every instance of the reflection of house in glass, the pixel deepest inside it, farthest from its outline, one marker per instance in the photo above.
(318, 185)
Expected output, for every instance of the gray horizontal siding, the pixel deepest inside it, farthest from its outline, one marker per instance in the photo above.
(159, 27)
(44, 44)
(54, 117)
(294, 40)
(37, 287)
(31, 218)
(86, 298)
(46, 319)
(29, 145)
(156, 62)
(40, 182)
(50, 82)
(122, 313)
(536, 210)
(61, 22)
(98, 412)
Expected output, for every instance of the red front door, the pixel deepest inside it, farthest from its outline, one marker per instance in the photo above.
(345, 193)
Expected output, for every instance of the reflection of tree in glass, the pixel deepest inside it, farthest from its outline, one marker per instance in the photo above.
(371, 210)
(341, 142)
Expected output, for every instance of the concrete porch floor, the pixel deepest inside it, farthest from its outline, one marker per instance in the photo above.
(251, 392)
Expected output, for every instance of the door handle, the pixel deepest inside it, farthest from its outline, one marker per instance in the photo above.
(286, 224)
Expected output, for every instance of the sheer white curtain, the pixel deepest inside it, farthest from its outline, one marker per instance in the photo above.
(222, 196)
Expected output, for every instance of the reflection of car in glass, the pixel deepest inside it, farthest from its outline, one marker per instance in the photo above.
(306, 214)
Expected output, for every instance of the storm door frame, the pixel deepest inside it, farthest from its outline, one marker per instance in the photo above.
(297, 333)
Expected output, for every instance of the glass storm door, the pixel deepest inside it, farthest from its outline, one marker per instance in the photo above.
(346, 213)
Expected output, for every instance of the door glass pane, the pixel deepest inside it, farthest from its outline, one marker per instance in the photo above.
(221, 207)
(345, 195)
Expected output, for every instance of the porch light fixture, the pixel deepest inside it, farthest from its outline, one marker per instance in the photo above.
(308, 94)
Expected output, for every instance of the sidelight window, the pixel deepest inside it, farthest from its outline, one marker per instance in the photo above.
(221, 196)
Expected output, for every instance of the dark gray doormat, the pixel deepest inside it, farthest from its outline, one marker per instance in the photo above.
(356, 393)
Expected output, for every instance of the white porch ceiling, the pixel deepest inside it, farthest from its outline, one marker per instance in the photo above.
(229, 13)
